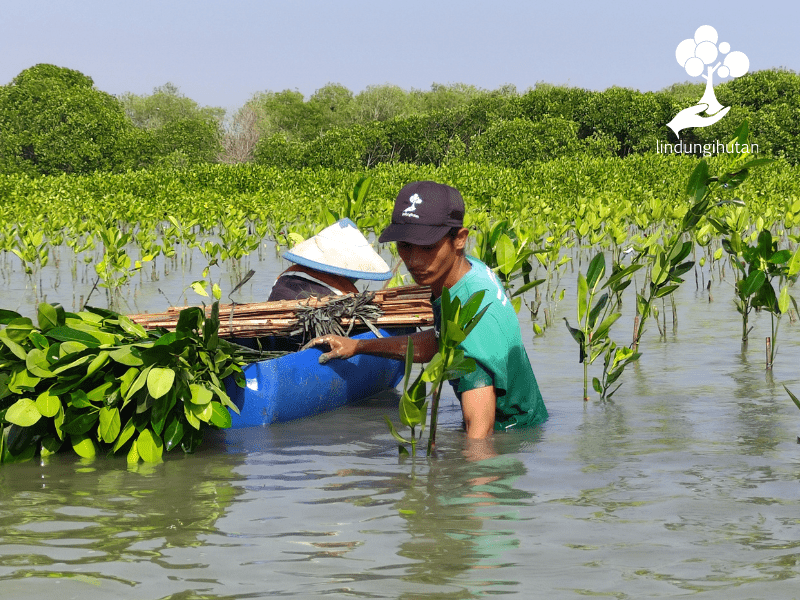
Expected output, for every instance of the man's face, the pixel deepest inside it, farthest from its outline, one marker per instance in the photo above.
(432, 265)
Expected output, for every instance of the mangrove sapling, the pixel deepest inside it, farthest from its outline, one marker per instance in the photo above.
(507, 255)
(595, 320)
(448, 363)
(667, 265)
(756, 267)
(354, 208)
(101, 383)
(115, 268)
(33, 250)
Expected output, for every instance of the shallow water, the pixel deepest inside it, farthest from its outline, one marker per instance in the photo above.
(687, 484)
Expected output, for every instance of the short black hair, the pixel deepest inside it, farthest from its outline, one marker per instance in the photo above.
(454, 231)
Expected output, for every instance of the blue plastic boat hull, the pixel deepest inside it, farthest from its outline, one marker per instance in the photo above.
(296, 385)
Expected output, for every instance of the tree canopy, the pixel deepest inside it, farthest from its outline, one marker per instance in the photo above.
(54, 121)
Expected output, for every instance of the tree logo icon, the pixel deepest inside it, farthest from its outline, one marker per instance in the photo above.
(696, 55)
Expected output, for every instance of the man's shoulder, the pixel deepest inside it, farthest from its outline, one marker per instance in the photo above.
(481, 277)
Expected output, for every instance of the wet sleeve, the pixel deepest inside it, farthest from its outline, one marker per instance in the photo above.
(479, 378)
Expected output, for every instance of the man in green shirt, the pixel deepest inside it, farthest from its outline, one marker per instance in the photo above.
(502, 393)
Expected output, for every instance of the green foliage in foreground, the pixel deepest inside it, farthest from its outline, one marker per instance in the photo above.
(448, 363)
(98, 382)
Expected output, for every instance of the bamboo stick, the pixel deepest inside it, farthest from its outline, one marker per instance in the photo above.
(401, 306)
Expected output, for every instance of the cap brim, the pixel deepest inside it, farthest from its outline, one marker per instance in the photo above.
(420, 235)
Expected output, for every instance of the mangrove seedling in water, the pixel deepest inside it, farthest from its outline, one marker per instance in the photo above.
(594, 323)
(506, 252)
(448, 363)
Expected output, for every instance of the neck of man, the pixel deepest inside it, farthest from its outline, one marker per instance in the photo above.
(460, 268)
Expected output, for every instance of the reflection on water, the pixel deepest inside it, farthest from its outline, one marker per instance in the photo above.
(688, 483)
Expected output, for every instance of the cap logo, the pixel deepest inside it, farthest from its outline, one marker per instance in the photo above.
(411, 210)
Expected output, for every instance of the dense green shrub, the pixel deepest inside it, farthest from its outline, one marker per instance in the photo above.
(513, 143)
(354, 148)
(277, 151)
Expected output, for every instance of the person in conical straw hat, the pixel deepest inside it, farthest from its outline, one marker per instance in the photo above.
(329, 263)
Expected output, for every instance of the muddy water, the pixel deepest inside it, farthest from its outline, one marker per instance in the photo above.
(687, 484)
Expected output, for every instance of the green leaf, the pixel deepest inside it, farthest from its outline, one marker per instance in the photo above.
(410, 415)
(132, 328)
(47, 404)
(70, 334)
(506, 254)
(794, 263)
(679, 252)
(125, 435)
(530, 285)
(780, 257)
(36, 362)
(583, 298)
(15, 348)
(173, 434)
(698, 179)
(126, 355)
(598, 307)
(23, 413)
(78, 399)
(200, 412)
(6, 316)
(138, 383)
(753, 283)
(475, 320)
(783, 299)
(199, 287)
(78, 423)
(394, 433)
(83, 445)
(189, 320)
(48, 317)
(21, 381)
(595, 271)
(792, 396)
(200, 394)
(159, 382)
(220, 416)
(110, 424)
(596, 385)
(665, 290)
(659, 273)
(97, 362)
(50, 445)
(602, 330)
(40, 342)
(101, 392)
(455, 334)
(150, 446)
(434, 368)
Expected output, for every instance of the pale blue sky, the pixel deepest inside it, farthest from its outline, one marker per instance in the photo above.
(220, 53)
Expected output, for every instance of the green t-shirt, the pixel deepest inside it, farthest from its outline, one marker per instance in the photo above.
(496, 346)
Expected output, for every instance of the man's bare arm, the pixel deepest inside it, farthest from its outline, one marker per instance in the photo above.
(479, 407)
(425, 346)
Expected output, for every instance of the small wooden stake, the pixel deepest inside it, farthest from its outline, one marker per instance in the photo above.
(769, 352)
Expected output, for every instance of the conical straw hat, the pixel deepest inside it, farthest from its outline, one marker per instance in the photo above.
(340, 249)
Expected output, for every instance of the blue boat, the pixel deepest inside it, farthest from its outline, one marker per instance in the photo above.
(296, 385)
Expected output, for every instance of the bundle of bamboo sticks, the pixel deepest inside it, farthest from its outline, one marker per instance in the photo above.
(401, 306)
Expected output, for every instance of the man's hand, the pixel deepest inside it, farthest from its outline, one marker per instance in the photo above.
(340, 347)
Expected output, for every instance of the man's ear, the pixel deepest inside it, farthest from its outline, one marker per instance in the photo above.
(460, 240)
